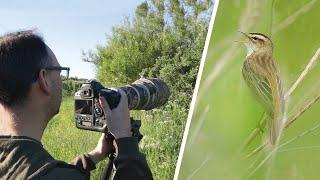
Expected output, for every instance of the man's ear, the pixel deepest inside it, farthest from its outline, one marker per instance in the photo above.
(43, 82)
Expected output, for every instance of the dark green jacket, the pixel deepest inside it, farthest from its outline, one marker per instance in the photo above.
(25, 158)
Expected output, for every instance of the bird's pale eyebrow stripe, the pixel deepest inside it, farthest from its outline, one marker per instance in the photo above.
(259, 37)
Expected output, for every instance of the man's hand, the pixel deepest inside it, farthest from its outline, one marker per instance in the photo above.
(103, 148)
(118, 121)
(118, 125)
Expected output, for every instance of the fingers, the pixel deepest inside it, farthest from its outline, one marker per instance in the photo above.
(104, 104)
(107, 137)
(124, 98)
(103, 136)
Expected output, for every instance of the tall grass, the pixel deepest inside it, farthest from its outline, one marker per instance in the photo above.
(162, 135)
(233, 113)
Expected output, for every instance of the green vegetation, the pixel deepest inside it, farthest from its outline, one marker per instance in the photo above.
(70, 86)
(165, 40)
(226, 112)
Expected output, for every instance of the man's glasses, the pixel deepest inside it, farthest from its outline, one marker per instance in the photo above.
(64, 71)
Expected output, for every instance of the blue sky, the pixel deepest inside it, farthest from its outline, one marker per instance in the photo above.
(68, 26)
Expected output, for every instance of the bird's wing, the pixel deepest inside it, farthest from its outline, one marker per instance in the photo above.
(263, 79)
(259, 84)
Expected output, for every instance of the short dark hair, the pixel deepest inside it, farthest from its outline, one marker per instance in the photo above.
(22, 55)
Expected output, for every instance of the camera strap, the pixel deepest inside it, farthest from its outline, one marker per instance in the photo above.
(135, 130)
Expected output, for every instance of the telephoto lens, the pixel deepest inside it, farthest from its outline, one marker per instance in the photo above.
(146, 94)
(143, 94)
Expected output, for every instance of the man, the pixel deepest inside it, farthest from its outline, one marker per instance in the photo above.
(30, 95)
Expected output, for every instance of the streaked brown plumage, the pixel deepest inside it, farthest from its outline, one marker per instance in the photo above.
(261, 74)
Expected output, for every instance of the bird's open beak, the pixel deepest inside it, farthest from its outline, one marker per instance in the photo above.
(244, 34)
(244, 41)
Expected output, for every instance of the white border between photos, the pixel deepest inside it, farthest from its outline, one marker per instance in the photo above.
(204, 55)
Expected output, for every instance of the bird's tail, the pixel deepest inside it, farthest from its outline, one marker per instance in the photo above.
(277, 122)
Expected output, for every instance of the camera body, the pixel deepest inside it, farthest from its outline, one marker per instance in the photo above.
(89, 114)
(143, 94)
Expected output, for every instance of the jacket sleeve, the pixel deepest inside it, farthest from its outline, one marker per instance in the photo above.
(65, 173)
(77, 169)
(84, 163)
(130, 163)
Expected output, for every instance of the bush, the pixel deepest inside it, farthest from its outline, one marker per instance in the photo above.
(165, 40)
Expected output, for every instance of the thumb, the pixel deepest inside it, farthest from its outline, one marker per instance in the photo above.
(104, 104)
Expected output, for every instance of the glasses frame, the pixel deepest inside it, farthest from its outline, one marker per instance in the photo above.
(58, 68)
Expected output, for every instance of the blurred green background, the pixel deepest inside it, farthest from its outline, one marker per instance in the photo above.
(226, 112)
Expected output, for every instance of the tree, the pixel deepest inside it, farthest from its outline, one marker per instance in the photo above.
(165, 39)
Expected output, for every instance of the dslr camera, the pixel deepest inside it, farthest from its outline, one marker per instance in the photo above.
(143, 94)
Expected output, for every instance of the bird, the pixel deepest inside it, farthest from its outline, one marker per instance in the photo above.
(261, 74)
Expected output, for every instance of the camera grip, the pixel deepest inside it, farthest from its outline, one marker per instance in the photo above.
(112, 97)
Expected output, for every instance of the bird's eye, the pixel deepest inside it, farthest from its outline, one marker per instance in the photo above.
(254, 38)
